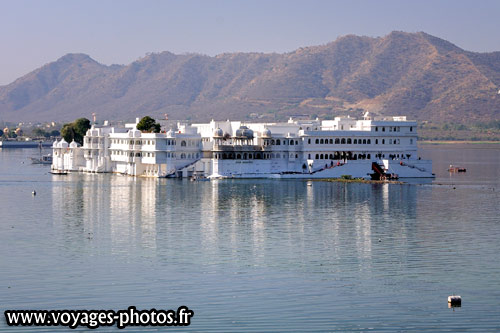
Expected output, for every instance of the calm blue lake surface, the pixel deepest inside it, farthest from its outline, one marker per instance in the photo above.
(258, 255)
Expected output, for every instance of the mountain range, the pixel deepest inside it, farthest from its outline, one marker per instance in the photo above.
(414, 74)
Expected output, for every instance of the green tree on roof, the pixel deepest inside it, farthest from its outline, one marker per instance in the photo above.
(148, 124)
(75, 130)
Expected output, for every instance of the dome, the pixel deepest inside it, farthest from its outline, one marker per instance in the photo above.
(218, 133)
(73, 144)
(244, 132)
(266, 133)
(62, 144)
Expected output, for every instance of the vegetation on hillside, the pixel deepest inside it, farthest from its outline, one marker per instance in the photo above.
(412, 74)
(476, 131)
(40, 132)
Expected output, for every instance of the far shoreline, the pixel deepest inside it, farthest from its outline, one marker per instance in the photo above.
(452, 142)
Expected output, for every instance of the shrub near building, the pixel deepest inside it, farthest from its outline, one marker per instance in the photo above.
(148, 124)
(75, 130)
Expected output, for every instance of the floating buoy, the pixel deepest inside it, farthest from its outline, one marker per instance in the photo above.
(455, 301)
(34, 192)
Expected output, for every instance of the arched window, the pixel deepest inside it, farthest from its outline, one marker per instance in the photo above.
(349, 141)
(309, 141)
(342, 141)
(244, 156)
(368, 141)
(321, 141)
(238, 157)
(183, 155)
(317, 156)
(278, 142)
(337, 141)
(355, 141)
(183, 143)
(331, 156)
(331, 141)
(383, 141)
(317, 141)
(296, 142)
(309, 156)
(272, 142)
(291, 142)
(321, 156)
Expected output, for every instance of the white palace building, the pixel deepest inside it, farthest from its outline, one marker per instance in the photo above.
(365, 148)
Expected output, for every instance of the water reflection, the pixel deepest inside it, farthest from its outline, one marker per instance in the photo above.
(259, 222)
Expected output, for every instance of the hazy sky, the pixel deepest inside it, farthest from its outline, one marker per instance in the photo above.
(36, 32)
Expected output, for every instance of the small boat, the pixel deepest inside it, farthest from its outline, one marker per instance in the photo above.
(454, 168)
(45, 159)
(41, 159)
(58, 172)
(198, 178)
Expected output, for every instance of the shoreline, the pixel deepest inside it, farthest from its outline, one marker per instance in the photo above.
(357, 180)
(452, 142)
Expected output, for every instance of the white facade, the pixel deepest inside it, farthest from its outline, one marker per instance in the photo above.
(295, 149)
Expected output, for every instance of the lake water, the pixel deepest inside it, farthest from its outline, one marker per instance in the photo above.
(258, 255)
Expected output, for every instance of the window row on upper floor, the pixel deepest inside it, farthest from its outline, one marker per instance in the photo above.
(169, 142)
(339, 141)
(390, 128)
(279, 142)
(151, 154)
(349, 141)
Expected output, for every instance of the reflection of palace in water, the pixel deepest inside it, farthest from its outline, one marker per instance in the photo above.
(262, 222)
